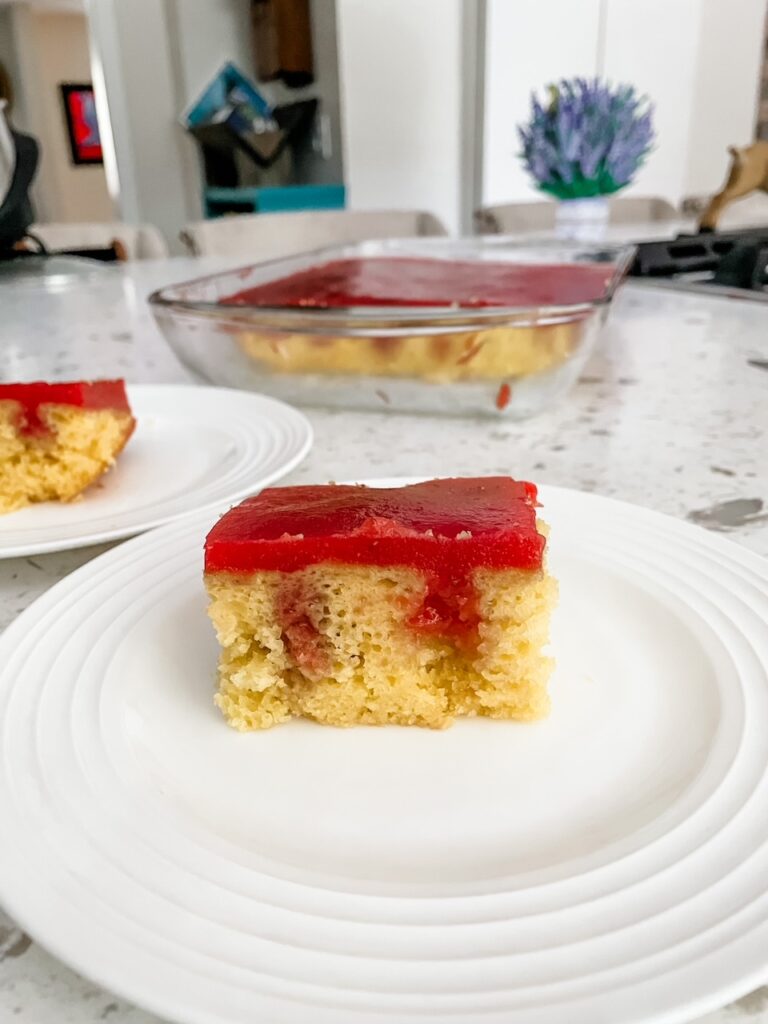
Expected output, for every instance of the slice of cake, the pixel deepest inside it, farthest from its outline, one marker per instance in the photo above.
(56, 439)
(408, 605)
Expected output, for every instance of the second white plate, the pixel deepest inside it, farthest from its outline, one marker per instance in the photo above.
(194, 448)
(606, 864)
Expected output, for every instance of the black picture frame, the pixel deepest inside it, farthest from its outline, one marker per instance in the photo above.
(78, 103)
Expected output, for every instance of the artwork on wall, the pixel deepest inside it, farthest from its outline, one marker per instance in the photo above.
(82, 124)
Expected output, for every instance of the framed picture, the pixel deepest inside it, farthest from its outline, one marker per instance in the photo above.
(82, 124)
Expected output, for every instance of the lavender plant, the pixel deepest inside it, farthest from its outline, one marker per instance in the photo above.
(589, 139)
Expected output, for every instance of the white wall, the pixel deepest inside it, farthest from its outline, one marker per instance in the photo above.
(698, 60)
(400, 69)
(730, 54)
(132, 43)
(207, 34)
(528, 44)
(156, 56)
(653, 45)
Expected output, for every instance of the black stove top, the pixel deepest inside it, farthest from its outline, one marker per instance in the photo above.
(736, 261)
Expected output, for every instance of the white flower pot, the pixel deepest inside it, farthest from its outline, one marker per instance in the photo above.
(582, 219)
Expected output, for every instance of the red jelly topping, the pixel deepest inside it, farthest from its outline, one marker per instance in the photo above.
(85, 394)
(388, 281)
(445, 527)
(299, 633)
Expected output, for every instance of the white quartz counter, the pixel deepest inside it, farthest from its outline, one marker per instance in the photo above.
(671, 413)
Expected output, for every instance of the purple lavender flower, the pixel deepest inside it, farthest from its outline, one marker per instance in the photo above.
(588, 140)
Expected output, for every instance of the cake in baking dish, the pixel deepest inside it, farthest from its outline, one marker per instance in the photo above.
(408, 605)
(56, 439)
(517, 347)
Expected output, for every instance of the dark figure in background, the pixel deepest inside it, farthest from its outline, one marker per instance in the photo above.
(19, 156)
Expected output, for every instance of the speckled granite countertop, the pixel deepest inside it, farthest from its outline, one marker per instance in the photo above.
(671, 413)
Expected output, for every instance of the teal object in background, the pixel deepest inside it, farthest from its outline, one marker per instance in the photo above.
(302, 197)
(218, 93)
(232, 104)
(273, 199)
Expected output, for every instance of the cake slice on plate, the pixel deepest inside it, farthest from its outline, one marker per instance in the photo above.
(407, 605)
(57, 439)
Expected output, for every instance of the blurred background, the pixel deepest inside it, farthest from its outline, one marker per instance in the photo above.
(169, 113)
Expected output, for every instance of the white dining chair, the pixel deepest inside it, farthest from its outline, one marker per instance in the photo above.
(265, 236)
(513, 218)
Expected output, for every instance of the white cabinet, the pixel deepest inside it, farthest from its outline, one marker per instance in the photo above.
(729, 56)
(653, 45)
(400, 66)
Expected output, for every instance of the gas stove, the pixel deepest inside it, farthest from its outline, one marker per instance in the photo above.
(730, 263)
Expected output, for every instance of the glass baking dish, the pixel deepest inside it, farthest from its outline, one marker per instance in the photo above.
(495, 360)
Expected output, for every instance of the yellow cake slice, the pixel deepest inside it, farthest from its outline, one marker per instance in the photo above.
(406, 606)
(57, 439)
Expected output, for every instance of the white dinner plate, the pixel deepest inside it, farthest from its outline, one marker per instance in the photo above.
(608, 864)
(194, 448)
